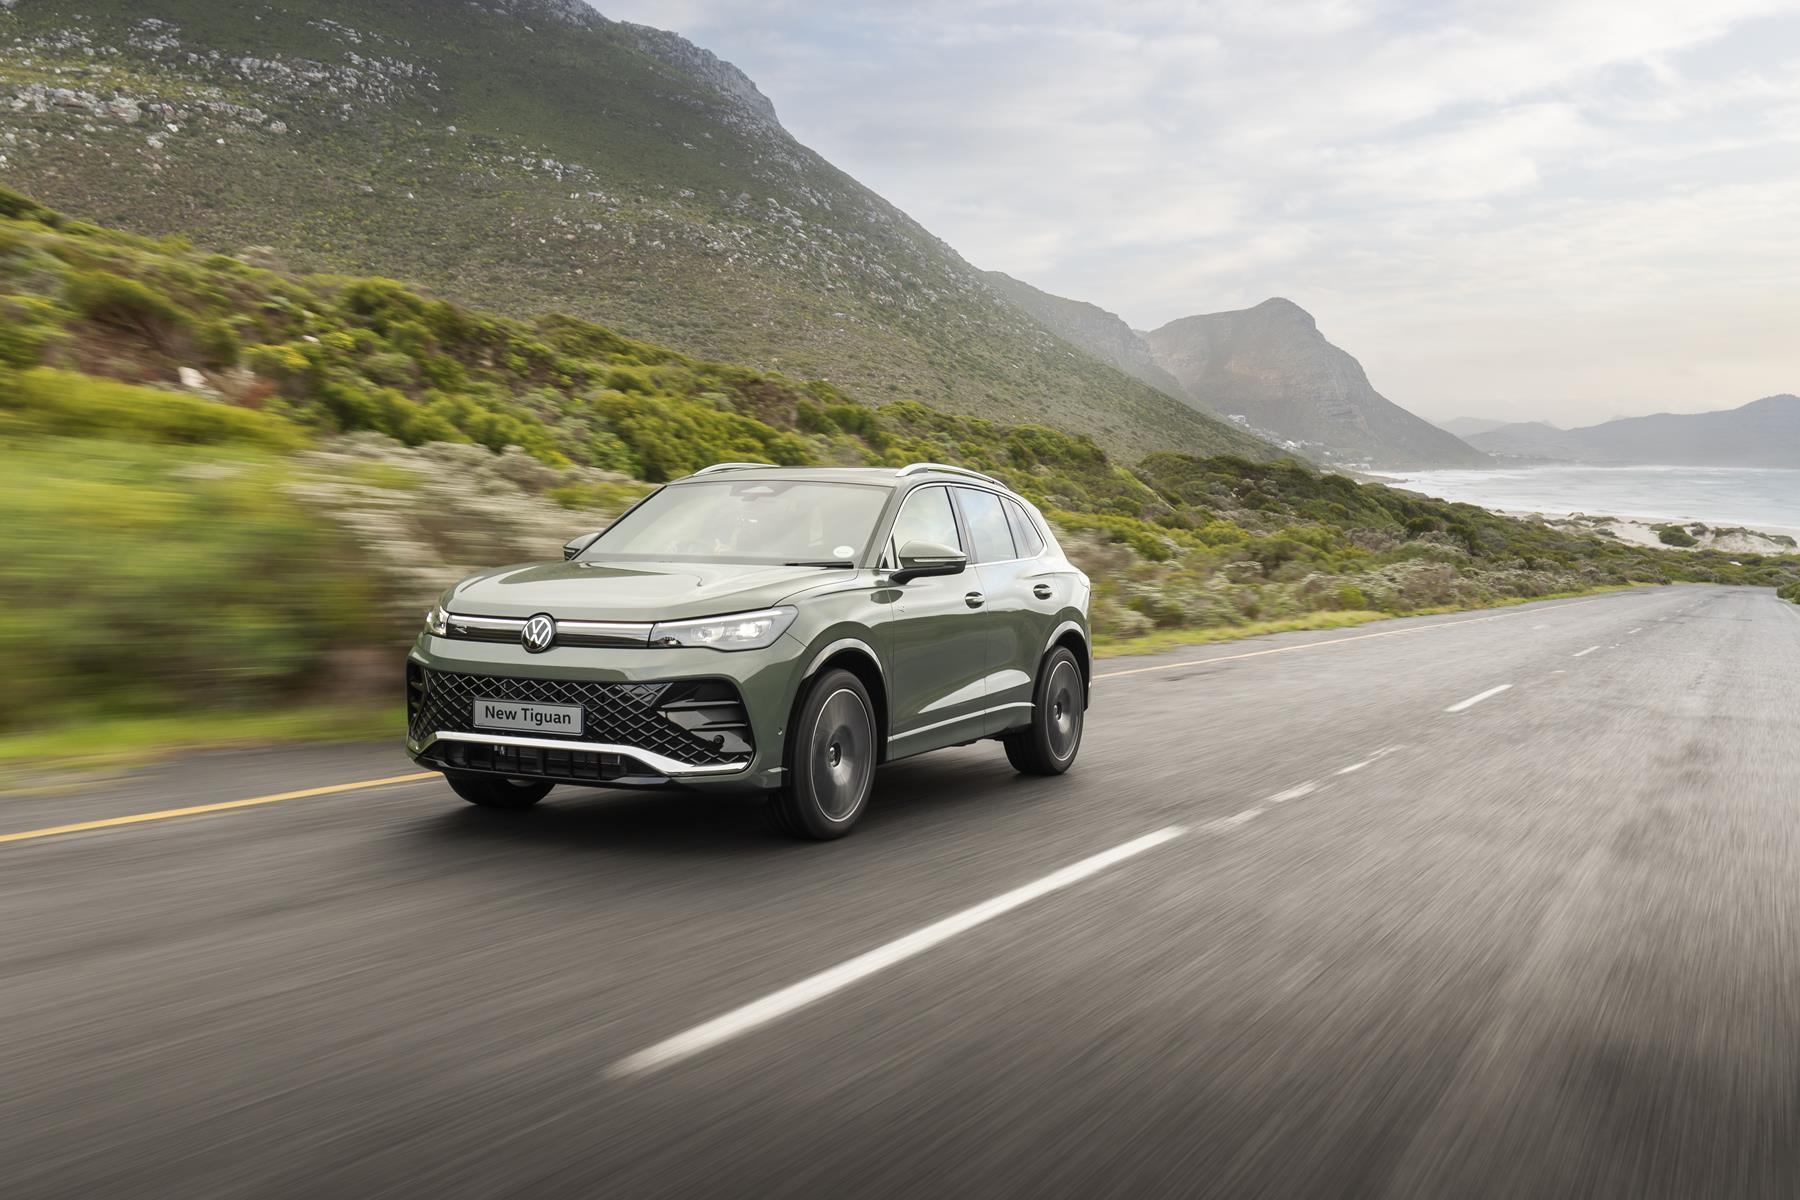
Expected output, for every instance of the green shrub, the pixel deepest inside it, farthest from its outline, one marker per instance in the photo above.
(125, 305)
(21, 345)
(217, 344)
(1675, 535)
(16, 207)
(63, 403)
(143, 579)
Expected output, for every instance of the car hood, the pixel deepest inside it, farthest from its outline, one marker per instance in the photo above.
(638, 591)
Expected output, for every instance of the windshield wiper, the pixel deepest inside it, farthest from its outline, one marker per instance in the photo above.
(821, 562)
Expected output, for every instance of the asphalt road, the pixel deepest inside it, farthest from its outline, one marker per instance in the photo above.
(1300, 922)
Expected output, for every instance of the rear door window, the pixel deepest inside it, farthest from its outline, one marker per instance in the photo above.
(988, 528)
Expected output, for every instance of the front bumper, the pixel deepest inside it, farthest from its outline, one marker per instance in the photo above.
(654, 716)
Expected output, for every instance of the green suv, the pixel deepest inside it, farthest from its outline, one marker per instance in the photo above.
(757, 628)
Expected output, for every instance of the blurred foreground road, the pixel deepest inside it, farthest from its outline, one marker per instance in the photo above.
(1392, 944)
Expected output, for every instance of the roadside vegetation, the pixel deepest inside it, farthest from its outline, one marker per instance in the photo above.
(230, 489)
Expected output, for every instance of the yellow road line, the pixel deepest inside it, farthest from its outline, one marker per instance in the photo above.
(226, 806)
(1360, 637)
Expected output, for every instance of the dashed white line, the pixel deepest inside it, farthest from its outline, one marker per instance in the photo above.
(1293, 793)
(1584, 653)
(1360, 637)
(1233, 821)
(1629, 632)
(1472, 701)
(814, 988)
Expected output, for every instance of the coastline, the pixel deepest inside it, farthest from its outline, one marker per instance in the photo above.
(1646, 531)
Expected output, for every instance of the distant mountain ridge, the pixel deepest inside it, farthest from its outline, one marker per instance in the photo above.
(1271, 366)
(528, 156)
(1763, 433)
(1463, 427)
(1267, 368)
(1103, 334)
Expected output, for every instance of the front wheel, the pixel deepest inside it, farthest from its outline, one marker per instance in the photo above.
(497, 791)
(830, 761)
(1049, 744)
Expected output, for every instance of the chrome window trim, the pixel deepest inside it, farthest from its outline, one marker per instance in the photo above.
(661, 764)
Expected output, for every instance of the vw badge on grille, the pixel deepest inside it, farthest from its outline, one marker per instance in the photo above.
(539, 633)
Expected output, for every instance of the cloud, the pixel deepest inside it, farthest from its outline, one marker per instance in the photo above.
(1469, 196)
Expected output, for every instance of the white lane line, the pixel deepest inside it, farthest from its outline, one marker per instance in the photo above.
(779, 1004)
(1294, 793)
(1584, 653)
(1629, 632)
(1472, 701)
(1233, 821)
(1360, 637)
(1370, 761)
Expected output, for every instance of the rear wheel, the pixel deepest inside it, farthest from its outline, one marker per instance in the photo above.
(1048, 746)
(497, 791)
(830, 760)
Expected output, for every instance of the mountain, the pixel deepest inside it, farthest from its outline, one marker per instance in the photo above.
(528, 156)
(1271, 367)
(1763, 433)
(1091, 328)
(1463, 427)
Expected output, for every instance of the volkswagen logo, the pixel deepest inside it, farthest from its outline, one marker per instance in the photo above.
(539, 633)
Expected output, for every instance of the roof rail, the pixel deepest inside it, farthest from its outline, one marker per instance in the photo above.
(728, 466)
(916, 468)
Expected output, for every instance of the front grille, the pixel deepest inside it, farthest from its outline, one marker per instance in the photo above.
(696, 722)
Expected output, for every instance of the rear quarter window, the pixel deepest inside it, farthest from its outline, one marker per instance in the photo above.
(1024, 530)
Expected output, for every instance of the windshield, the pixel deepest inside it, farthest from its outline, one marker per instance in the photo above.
(774, 521)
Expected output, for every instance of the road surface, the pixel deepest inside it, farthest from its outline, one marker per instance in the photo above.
(1494, 904)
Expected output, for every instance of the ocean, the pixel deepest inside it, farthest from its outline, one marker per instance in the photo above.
(1756, 498)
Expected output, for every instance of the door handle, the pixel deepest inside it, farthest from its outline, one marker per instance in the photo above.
(1042, 591)
(974, 599)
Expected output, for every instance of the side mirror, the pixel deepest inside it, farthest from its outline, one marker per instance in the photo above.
(918, 559)
(575, 546)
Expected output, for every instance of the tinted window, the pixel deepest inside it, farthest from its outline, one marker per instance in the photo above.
(987, 526)
(1025, 534)
(926, 517)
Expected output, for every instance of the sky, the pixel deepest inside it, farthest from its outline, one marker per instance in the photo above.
(1562, 210)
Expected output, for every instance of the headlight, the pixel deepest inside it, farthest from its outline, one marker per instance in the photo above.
(739, 631)
(437, 621)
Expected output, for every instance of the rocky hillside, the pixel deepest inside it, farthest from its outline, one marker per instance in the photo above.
(531, 155)
(1763, 433)
(1271, 368)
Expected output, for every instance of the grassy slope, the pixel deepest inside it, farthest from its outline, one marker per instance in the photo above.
(528, 166)
(117, 490)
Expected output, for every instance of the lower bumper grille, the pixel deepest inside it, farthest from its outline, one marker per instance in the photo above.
(696, 723)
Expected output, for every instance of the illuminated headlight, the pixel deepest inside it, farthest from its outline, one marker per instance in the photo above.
(437, 621)
(739, 631)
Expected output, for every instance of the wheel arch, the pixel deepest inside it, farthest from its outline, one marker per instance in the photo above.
(859, 658)
(1073, 635)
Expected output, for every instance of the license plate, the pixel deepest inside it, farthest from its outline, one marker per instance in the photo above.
(532, 718)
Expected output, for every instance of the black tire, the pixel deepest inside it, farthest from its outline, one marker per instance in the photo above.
(831, 755)
(1059, 704)
(497, 791)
